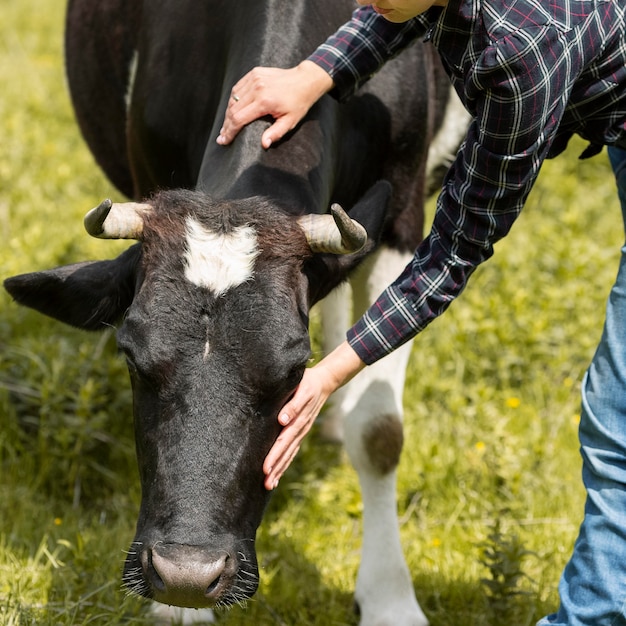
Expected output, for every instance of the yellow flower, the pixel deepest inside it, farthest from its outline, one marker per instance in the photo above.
(513, 402)
(480, 446)
(58, 521)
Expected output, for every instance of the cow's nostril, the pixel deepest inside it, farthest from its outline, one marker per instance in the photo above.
(152, 574)
(185, 575)
(213, 587)
(213, 590)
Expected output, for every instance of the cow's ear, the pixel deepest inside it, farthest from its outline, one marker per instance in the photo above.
(326, 271)
(371, 210)
(87, 295)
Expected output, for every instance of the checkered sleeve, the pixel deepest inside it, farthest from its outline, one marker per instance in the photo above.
(517, 90)
(362, 46)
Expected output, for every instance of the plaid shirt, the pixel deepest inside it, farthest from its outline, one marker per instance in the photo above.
(531, 73)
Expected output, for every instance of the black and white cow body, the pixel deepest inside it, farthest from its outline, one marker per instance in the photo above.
(212, 304)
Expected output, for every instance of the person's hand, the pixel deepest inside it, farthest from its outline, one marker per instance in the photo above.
(298, 415)
(285, 94)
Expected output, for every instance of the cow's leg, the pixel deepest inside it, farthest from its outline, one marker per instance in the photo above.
(164, 615)
(336, 312)
(372, 408)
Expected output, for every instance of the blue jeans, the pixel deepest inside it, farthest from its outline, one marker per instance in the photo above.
(593, 585)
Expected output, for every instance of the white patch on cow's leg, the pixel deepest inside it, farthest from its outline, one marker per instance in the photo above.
(218, 261)
(336, 311)
(373, 439)
(164, 615)
(372, 406)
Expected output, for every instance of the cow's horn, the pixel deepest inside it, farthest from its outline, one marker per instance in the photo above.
(336, 233)
(116, 221)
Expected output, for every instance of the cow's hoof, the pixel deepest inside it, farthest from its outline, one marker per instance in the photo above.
(165, 615)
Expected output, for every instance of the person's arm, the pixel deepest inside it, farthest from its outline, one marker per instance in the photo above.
(298, 415)
(518, 112)
(518, 100)
(363, 45)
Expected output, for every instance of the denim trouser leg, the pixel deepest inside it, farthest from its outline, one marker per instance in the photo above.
(593, 585)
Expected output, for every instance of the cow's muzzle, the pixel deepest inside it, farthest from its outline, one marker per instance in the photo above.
(192, 576)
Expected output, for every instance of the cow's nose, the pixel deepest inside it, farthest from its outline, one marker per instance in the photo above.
(185, 575)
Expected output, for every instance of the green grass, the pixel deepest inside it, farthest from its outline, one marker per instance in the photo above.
(489, 491)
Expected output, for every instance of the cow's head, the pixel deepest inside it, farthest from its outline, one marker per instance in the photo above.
(212, 308)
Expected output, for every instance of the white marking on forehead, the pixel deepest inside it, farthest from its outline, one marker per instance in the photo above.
(217, 261)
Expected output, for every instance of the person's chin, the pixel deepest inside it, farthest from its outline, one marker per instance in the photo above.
(396, 18)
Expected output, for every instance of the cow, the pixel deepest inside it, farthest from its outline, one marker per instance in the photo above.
(232, 247)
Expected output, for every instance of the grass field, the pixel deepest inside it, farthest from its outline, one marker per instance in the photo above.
(489, 493)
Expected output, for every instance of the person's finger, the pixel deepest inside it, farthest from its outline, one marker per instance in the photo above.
(247, 107)
(243, 90)
(242, 96)
(285, 453)
(273, 478)
(238, 114)
(290, 436)
(243, 107)
(277, 131)
(285, 447)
